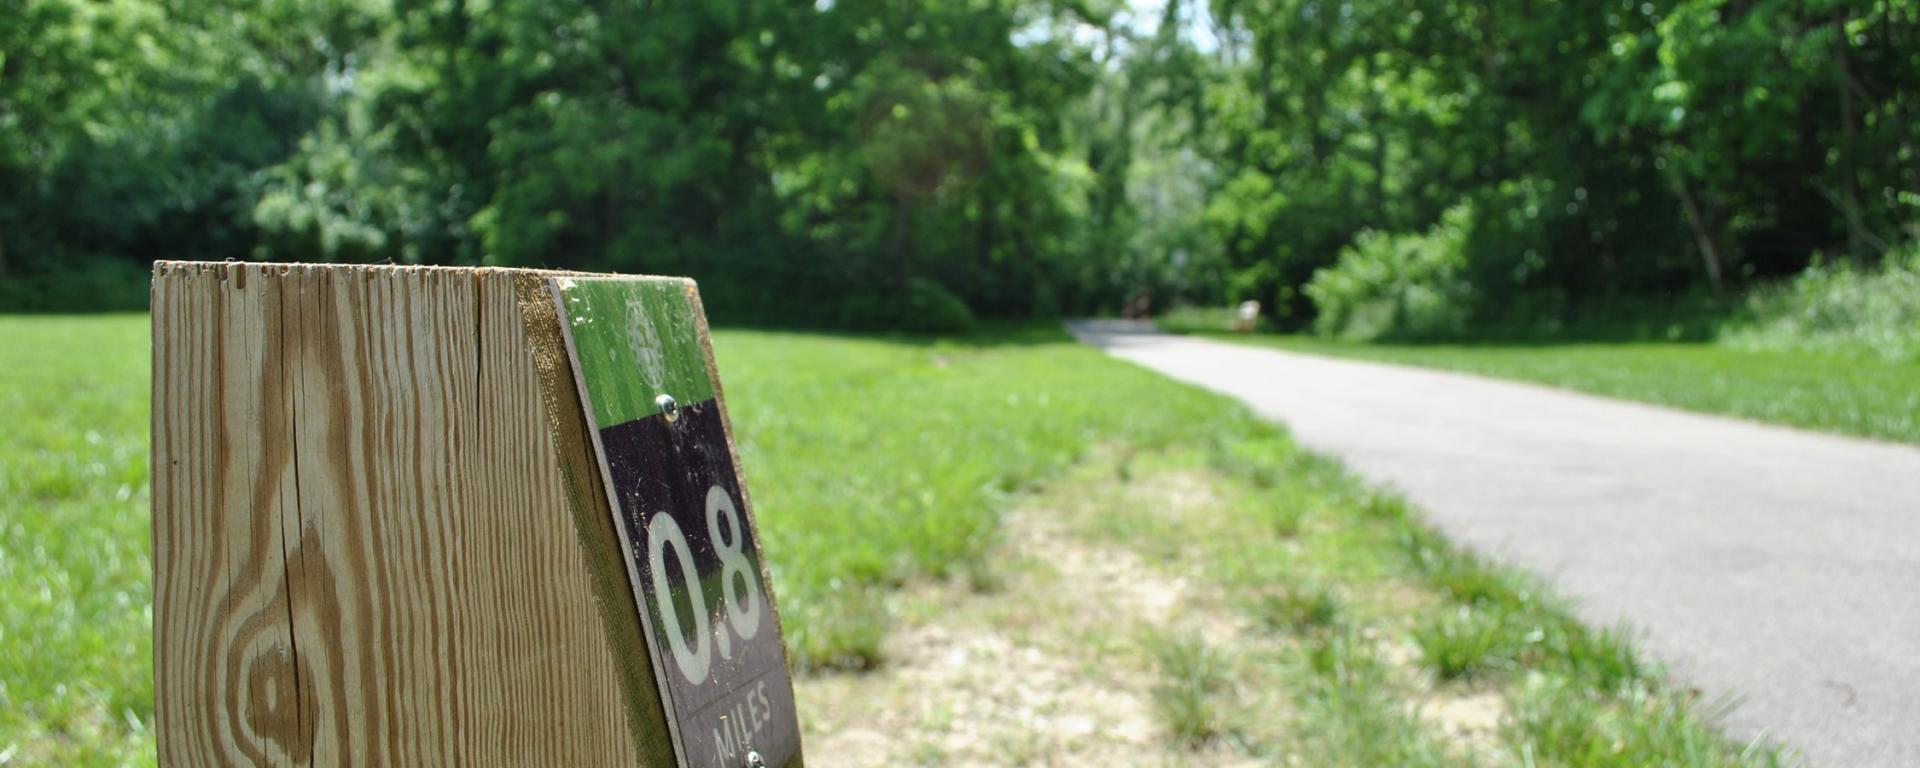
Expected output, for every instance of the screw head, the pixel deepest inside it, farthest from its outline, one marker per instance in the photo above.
(754, 760)
(668, 407)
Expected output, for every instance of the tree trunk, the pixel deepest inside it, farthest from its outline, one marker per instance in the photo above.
(899, 247)
(1903, 116)
(1496, 90)
(1702, 232)
(1379, 150)
(1849, 198)
(1913, 177)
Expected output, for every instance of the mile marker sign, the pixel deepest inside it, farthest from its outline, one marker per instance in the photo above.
(644, 365)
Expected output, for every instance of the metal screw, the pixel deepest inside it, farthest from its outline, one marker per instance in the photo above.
(668, 407)
(754, 760)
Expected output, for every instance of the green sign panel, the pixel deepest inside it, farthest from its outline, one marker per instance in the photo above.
(640, 357)
(633, 340)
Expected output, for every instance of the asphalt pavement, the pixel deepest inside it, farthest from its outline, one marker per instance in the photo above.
(1776, 566)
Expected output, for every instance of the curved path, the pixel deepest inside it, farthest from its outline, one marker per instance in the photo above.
(1778, 566)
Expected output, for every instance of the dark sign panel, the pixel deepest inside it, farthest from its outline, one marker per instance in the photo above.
(688, 534)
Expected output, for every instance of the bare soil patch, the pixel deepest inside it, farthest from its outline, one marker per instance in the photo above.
(1047, 668)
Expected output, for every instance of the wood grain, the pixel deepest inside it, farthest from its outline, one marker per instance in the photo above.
(371, 542)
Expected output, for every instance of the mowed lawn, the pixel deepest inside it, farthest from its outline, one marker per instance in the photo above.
(76, 659)
(1850, 394)
(877, 463)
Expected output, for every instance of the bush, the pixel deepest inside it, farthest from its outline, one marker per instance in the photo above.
(1838, 307)
(931, 308)
(95, 285)
(924, 306)
(1389, 285)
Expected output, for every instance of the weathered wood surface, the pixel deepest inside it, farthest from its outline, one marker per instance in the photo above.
(379, 536)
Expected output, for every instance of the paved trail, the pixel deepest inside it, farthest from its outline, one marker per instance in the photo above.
(1773, 564)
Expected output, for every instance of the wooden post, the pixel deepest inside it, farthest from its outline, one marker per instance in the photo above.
(379, 531)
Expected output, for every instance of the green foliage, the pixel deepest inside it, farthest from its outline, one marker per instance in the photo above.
(1838, 307)
(933, 309)
(1388, 285)
(87, 285)
(1608, 150)
(809, 162)
(133, 130)
(924, 307)
(797, 159)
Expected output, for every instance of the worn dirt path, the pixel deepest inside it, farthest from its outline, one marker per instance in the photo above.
(1046, 668)
(1772, 564)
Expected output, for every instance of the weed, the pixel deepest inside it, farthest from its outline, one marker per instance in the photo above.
(1466, 643)
(1560, 722)
(1353, 715)
(1466, 577)
(1193, 680)
(1285, 514)
(1386, 506)
(1303, 608)
(1343, 658)
(840, 631)
(1257, 459)
(1604, 659)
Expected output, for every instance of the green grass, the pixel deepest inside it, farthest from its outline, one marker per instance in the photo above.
(1197, 319)
(1832, 391)
(871, 462)
(1194, 678)
(1302, 608)
(1464, 643)
(76, 677)
(1361, 616)
(874, 463)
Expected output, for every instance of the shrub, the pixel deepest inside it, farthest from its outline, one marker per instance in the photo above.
(86, 285)
(931, 308)
(1388, 285)
(923, 306)
(1839, 306)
